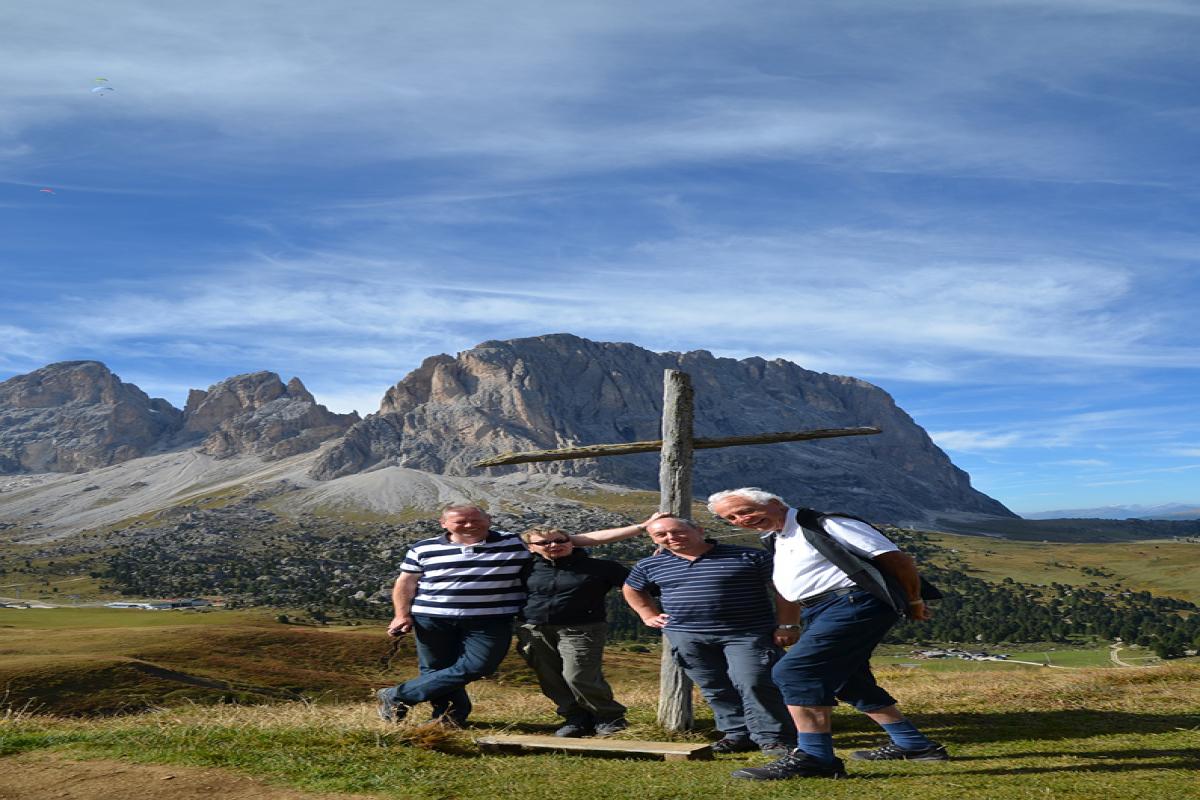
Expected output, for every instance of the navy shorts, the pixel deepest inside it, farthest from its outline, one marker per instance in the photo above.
(832, 659)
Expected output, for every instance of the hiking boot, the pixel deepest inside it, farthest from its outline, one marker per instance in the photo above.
(388, 708)
(892, 752)
(613, 726)
(776, 749)
(796, 764)
(728, 745)
(574, 730)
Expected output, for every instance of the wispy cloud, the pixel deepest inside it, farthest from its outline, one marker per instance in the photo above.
(573, 88)
(974, 440)
(918, 323)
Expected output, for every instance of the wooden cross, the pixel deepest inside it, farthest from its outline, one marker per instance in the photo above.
(675, 498)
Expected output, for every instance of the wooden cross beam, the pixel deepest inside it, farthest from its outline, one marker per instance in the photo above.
(675, 497)
(654, 445)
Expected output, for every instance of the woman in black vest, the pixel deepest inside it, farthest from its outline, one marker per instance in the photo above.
(562, 630)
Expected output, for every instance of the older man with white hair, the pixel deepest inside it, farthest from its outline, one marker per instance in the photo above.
(849, 584)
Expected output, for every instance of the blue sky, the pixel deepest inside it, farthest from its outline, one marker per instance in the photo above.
(987, 208)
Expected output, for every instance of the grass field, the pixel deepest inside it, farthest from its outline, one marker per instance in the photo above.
(80, 661)
(1162, 568)
(1066, 734)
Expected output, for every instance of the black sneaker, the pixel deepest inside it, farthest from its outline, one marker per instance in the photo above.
(389, 709)
(612, 727)
(776, 749)
(728, 745)
(796, 764)
(573, 730)
(892, 752)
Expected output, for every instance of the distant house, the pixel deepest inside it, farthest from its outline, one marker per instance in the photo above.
(161, 605)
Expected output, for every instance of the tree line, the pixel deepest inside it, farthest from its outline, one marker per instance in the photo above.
(349, 574)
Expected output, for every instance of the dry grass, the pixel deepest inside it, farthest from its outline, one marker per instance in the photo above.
(1169, 688)
(1077, 734)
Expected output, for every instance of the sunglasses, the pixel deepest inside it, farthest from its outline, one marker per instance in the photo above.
(549, 542)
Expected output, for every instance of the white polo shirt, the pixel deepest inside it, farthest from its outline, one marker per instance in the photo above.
(801, 572)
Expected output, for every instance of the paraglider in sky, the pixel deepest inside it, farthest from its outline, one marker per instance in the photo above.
(47, 191)
(102, 89)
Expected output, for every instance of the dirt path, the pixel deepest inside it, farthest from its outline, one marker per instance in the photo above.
(48, 776)
(1114, 653)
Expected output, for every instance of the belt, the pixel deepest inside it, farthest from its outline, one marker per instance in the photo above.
(832, 593)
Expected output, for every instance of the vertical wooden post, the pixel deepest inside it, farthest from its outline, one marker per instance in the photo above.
(675, 466)
(675, 485)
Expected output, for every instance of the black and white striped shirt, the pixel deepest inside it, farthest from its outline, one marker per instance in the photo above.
(468, 580)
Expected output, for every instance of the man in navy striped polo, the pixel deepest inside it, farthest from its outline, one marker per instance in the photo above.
(458, 593)
(714, 605)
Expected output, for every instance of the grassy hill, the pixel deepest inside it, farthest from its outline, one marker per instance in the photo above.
(1070, 530)
(1167, 568)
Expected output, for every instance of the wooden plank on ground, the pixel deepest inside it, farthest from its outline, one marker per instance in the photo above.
(667, 751)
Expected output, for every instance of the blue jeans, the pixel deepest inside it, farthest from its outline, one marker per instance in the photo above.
(832, 659)
(452, 652)
(733, 671)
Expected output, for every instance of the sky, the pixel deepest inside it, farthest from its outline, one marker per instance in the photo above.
(985, 207)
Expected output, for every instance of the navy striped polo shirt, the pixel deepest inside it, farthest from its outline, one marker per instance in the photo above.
(468, 580)
(726, 590)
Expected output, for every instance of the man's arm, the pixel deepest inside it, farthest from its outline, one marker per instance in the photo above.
(403, 593)
(902, 567)
(786, 613)
(612, 534)
(644, 606)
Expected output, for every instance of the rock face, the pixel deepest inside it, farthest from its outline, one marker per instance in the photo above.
(77, 415)
(561, 390)
(257, 414)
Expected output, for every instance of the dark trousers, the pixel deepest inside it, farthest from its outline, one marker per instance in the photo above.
(567, 660)
(452, 652)
(733, 671)
(832, 659)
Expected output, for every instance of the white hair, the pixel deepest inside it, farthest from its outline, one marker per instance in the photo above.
(760, 497)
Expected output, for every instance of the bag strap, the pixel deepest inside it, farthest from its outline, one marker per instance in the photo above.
(865, 575)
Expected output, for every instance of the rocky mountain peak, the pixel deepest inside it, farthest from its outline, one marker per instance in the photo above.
(561, 390)
(257, 413)
(77, 415)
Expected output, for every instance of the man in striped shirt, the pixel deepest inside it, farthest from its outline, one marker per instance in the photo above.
(716, 610)
(458, 594)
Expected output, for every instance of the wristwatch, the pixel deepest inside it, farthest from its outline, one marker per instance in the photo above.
(787, 627)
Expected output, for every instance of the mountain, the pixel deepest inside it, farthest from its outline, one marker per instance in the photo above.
(561, 390)
(257, 414)
(77, 415)
(1166, 511)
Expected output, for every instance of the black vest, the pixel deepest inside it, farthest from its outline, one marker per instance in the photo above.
(858, 568)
